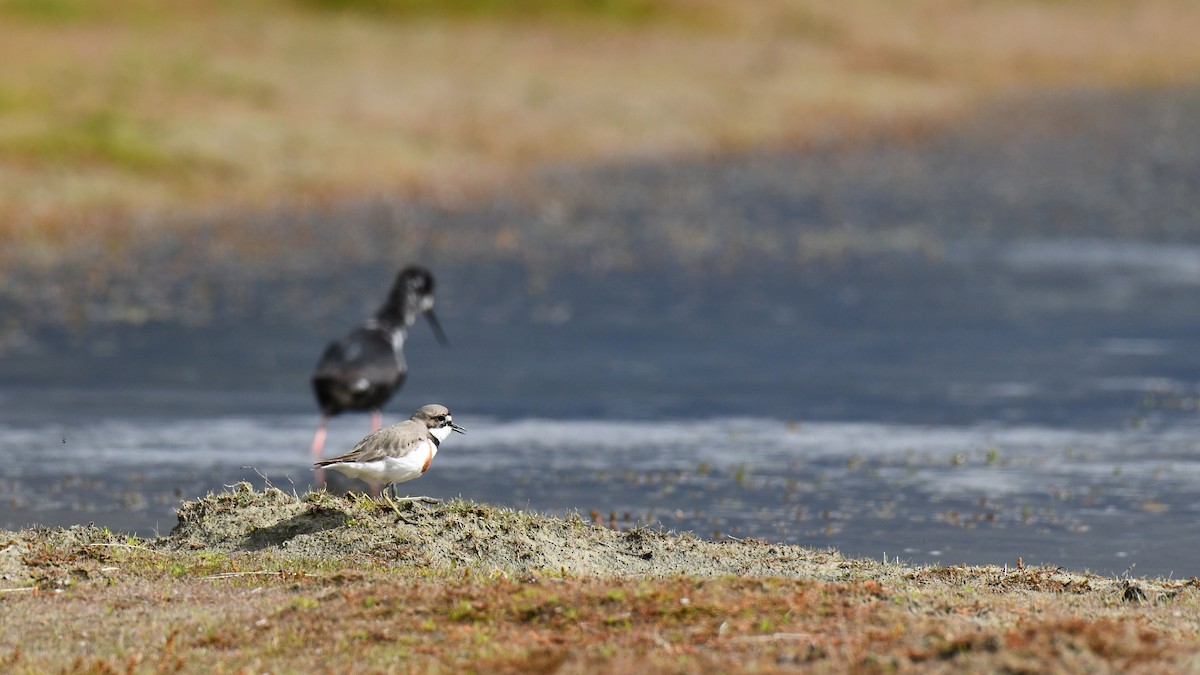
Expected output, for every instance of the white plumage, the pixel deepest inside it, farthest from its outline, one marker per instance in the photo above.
(388, 470)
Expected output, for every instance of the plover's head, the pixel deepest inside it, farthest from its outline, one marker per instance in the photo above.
(412, 294)
(437, 419)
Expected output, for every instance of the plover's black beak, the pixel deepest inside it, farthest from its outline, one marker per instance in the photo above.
(457, 428)
(437, 327)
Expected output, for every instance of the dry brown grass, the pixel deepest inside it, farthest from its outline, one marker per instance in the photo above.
(149, 107)
(372, 622)
(91, 601)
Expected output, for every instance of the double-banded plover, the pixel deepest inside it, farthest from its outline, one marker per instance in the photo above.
(398, 452)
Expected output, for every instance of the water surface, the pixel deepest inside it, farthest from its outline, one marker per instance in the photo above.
(970, 348)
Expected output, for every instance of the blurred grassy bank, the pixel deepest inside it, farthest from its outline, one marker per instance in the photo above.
(140, 108)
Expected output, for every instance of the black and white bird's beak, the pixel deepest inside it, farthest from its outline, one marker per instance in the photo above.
(457, 428)
(437, 327)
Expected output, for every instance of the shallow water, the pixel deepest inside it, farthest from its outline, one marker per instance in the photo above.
(1102, 500)
(1020, 378)
(1019, 414)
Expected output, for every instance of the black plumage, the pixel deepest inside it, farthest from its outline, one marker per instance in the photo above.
(361, 371)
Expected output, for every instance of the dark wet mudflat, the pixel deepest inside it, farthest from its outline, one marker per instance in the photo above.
(965, 345)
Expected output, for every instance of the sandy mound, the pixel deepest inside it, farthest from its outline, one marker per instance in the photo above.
(461, 534)
(49, 557)
(348, 532)
(13, 571)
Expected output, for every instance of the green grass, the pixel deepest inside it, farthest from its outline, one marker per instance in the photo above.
(82, 12)
(613, 11)
(99, 137)
(51, 11)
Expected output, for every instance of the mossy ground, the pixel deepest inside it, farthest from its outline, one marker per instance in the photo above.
(268, 581)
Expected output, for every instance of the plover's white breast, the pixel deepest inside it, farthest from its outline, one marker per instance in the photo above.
(389, 469)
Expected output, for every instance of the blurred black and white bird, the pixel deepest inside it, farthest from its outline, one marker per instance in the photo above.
(361, 371)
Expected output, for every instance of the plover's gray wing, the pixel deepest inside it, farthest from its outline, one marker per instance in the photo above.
(396, 440)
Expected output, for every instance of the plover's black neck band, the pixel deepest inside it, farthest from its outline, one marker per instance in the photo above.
(437, 443)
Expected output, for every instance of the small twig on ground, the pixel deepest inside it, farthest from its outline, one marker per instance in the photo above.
(259, 573)
(135, 546)
(773, 636)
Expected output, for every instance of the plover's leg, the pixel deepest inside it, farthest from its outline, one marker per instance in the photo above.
(387, 498)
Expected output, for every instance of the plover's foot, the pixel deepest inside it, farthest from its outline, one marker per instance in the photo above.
(427, 500)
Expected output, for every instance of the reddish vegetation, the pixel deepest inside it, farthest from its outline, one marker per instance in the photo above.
(95, 602)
